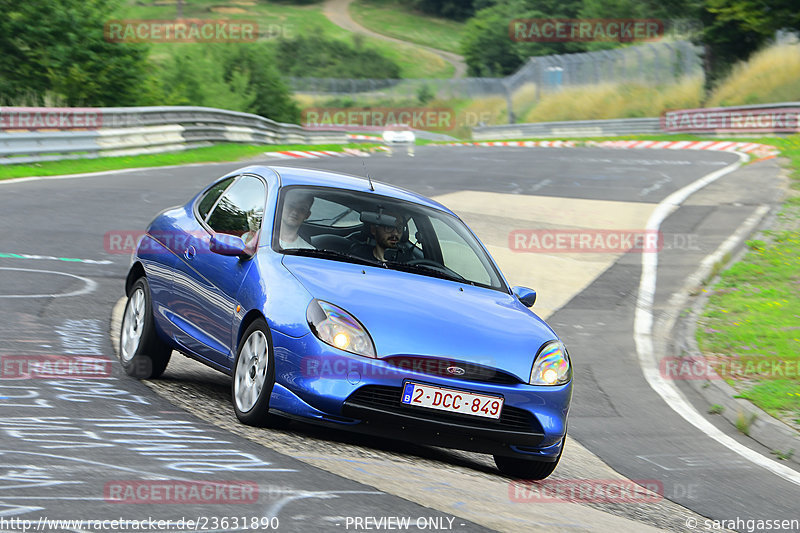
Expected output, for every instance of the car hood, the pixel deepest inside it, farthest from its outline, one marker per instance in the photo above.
(416, 315)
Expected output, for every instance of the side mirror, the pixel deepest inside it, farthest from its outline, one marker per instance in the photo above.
(225, 244)
(526, 296)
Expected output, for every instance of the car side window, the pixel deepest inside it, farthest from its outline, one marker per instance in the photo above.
(241, 209)
(211, 197)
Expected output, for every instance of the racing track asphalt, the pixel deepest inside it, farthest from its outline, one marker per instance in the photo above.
(615, 414)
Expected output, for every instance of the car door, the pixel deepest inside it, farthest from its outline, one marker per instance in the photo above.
(205, 284)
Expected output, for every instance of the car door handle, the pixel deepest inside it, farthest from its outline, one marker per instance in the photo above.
(189, 253)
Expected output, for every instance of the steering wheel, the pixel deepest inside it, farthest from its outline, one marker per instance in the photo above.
(436, 266)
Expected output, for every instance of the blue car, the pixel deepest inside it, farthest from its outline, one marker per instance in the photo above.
(354, 304)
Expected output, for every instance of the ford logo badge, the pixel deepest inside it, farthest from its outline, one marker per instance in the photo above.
(456, 370)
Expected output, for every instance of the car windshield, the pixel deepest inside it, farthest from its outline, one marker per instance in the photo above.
(370, 229)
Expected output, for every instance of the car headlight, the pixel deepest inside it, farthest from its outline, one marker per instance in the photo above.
(552, 365)
(335, 326)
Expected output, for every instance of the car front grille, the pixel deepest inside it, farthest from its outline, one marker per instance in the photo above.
(388, 399)
(439, 367)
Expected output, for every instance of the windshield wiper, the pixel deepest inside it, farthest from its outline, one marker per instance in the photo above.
(428, 270)
(331, 221)
(330, 254)
(341, 216)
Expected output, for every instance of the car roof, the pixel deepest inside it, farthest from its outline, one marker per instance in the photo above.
(324, 178)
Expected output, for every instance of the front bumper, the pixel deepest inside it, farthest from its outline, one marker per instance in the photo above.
(360, 394)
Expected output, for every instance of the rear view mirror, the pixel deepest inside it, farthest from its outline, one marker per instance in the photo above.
(380, 219)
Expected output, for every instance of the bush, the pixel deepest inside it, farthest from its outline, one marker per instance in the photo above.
(56, 50)
(771, 75)
(238, 77)
(320, 57)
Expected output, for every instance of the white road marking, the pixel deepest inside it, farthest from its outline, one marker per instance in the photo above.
(643, 334)
(89, 285)
(6, 255)
(543, 183)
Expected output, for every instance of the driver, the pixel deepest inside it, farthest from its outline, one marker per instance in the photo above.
(387, 237)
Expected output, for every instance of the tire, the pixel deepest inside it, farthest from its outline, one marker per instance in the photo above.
(527, 468)
(254, 378)
(142, 353)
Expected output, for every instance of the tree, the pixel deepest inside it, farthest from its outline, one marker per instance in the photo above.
(324, 57)
(762, 17)
(58, 48)
(734, 29)
(488, 48)
(235, 76)
(271, 95)
(451, 9)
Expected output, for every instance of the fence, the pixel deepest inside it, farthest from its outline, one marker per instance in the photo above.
(651, 64)
(577, 128)
(49, 134)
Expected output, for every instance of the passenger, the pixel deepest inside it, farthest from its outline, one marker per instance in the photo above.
(296, 209)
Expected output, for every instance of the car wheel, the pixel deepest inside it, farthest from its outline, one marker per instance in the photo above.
(527, 468)
(142, 353)
(254, 377)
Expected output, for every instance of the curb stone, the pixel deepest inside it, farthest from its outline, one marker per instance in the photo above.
(765, 429)
(314, 154)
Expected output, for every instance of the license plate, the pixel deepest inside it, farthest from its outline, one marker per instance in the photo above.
(452, 401)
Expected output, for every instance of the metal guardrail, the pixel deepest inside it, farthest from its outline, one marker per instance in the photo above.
(38, 134)
(32, 134)
(576, 128)
(778, 118)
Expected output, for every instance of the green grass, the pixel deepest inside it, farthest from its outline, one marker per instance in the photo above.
(209, 154)
(285, 20)
(783, 456)
(744, 422)
(396, 19)
(751, 325)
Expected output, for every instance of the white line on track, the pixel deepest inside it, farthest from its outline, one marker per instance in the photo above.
(89, 285)
(643, 334)
(6, 255)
